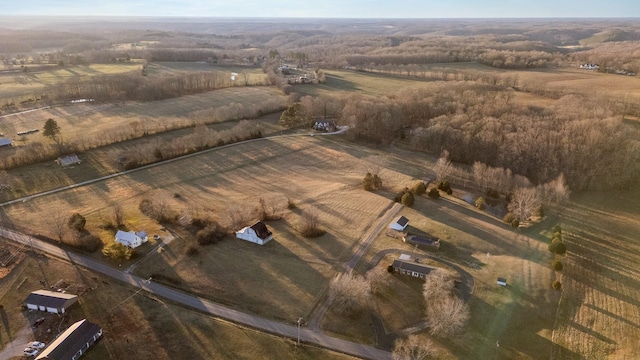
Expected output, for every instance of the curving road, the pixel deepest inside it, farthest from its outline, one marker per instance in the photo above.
(204, 305)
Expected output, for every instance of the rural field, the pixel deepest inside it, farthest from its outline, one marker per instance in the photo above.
(159, 329)
(595, 315)
(323, 175)
(16, 83)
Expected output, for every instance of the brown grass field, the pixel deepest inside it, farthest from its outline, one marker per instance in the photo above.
(567, 78)
(88, 120)
(17, 84)
(595, 316)
(134, 324)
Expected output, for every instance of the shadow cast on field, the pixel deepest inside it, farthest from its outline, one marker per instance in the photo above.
(510, 326)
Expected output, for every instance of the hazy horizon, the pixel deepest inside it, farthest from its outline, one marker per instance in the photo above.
(364, 9)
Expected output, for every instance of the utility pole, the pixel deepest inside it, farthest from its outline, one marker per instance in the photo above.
(299, 323)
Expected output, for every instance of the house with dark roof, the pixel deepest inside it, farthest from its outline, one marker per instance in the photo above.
(411, 268)
(256, 233)
(73, 342)
(400, 223)
(423, 240)
(68, 160)
(50, 301)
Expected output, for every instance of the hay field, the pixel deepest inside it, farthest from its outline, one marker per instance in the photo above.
(570, 79)
(17, 84)
(599, 313)
(132, 320)
(254, 75)
(280, 280)
(89, 119)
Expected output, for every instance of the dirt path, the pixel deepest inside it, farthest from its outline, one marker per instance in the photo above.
(363, 245)
(15, 348)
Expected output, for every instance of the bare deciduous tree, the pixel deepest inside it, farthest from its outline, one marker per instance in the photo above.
(524, 202)
(350, 294)
(56, 221)
(413, 347)
(118, 215)
(556, 191)
(443, 167)
(447, 315)
(377, 278)
(438, 284)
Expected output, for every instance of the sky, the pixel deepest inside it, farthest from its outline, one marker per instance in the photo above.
(328, 8)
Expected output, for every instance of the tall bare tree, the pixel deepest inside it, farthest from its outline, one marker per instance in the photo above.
(413, 347)
(524, 202)
(443, 167)
(350, 294)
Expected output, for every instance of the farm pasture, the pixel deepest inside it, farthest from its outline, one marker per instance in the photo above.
(15, 84)
(87, 120)
(319, 175)
(159, 329)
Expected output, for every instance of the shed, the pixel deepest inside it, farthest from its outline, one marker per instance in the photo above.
(50, 301)
(131, 239)
(423, 240)
(5, 142)
(68, 160)
(73, 342)
(411, 268)
(502, 281)
(400, 223)
(256, 233)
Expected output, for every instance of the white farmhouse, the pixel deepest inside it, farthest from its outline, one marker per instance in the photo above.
(131, 239)
(400, 223)
(256, 233)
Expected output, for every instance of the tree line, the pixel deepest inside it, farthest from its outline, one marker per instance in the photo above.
(581, 136)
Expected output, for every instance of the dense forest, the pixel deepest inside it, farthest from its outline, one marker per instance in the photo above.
(469, 114)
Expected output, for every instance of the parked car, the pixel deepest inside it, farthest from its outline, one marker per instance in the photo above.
(157, 237)
(38, 322)
(36, 345)
(30, 352)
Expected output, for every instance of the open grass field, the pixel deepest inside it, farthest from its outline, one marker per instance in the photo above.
(89, 120)
(17, 84)
(571, 79)
(322, 175)
(252, 74)
(135, 325)
(599, 313)
(597, 316)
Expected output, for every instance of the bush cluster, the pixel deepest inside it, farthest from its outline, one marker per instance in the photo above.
(445, 186)
(557, 246)
(419, 188)
(405, 197)
(434, 193)
(372, 182)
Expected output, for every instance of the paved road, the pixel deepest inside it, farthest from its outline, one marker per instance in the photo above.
(270, 326)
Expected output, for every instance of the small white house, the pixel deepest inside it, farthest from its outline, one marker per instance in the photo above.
(50, 301)
(256, 233)
(502, 281)
(400, 223)
(131, 239)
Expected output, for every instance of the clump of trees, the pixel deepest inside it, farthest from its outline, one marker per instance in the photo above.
(159, 210)
(350, 294)
(434, 193)
(557, 246)
(118, 251)
(414, 347)
(405, 197)
(446, 313)
(372, 182)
